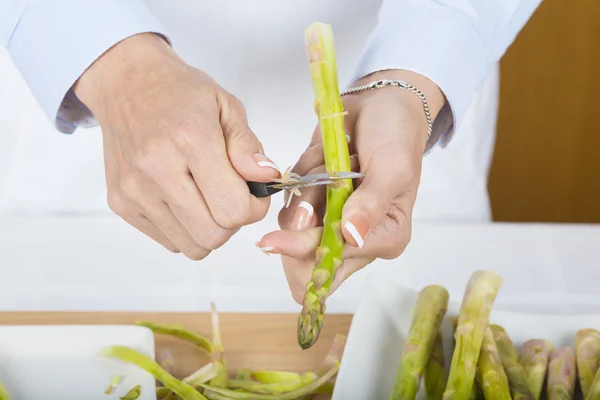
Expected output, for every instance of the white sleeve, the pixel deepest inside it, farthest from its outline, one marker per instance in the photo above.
(52, 42)
(452, 42)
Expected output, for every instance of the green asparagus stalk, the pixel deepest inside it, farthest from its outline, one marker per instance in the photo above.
(432, 304)
(329, 108)
(479, 297)
(179, 332)
(435, 371)
(561, 375)
(593, 393)
(490, 373)
(3, 393)
(534, 358)
(184, 390)
(133, 394)
(587, 351)
(517, 378)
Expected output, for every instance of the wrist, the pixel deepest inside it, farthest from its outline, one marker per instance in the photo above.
(109, 75)
(435, 97)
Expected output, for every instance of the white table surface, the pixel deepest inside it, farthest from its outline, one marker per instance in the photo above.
(71, 263)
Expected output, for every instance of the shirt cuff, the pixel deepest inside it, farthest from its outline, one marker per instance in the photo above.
(433, 41)
(54, 42)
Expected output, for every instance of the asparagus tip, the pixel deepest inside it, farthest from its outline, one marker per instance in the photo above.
(309, 325)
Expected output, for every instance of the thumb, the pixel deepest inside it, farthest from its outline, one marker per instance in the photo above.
(393, 164)
(243, 148)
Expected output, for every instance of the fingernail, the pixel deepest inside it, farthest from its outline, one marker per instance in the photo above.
(357, 227)
(268, 250)
(263, 161)
(348, 138)
(303, 216)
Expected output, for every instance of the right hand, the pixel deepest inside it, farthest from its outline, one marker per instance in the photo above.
(177, 147)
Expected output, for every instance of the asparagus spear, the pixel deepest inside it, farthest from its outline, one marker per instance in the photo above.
(328, 106)
(432, 303)
(435, 372)
(472, 320)
(3, 393)
(561, 375)
(593, 393)
(534, 357)
(490, 372)
(517, 379)
(587, 351)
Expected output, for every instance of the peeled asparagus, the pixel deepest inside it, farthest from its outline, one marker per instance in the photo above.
(490, 372)
(430, 309)
(435, 372)
(534, 358)
(472, 320)
(587, 350)
(561, 375)
(517, 379)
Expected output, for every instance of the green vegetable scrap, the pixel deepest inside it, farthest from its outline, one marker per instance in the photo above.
(587, 350)
(534, 357)
(561, 375)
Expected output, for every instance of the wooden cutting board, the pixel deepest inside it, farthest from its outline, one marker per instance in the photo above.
(256, 341)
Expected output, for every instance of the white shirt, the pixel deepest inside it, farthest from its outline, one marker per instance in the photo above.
(255, 50)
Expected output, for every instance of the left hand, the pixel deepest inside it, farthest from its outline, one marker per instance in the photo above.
(388, 132)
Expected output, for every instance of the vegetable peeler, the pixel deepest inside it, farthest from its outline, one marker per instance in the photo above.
(294, 181)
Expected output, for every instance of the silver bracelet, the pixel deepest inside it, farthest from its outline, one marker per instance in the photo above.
(401, 84)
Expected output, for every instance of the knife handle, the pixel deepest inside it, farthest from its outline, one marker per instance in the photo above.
(262, 189)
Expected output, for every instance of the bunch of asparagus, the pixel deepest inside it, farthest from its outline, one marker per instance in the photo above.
(213, 381)
(485, 363)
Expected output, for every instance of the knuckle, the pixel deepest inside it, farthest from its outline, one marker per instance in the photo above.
(129, 187)
(116, 203)
(216, 238)
(146, 160)
(234, 213)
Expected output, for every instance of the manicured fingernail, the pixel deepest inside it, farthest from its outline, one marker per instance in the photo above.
(357, 227)
(348, 138)
(268, 250)
(263, 161)
(303, 216)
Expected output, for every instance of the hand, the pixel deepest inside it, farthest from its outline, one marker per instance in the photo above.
(388, 132)
(177, 147)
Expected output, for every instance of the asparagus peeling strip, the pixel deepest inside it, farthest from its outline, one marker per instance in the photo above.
(179, 332)
(517, 379)
(534, 357)
(587, 351)
(561, 375)
(435, 372)
(133, 394)
(478, 299)
(329, 109)
(432, 304)
(490, 372)
(593, 393)
(182, 389)
(3, 393)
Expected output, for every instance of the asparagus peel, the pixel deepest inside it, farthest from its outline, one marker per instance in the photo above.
(490, 372)
(182, 389)
(432, 304)
(133, 393)
(435, 372)
(587, 351)
(561, 375)
(3, 393)
(473, 317)
(179, 332)
(217, 355)
(534, 358)
(517, 379)
(593, 393)
(329, 108)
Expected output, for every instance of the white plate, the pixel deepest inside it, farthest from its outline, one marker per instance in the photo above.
(382, 321)
(63, 362)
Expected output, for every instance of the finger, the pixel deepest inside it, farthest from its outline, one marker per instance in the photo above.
(144, 225)
(311, 196)
(244, 149)
(226, 193)
(162, 216)
(189, 207)
(297, 244)
(391, 160)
